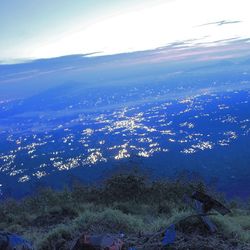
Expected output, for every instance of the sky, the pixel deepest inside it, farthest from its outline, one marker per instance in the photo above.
(31, 29)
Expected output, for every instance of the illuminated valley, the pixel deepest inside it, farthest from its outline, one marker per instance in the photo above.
(35, 148)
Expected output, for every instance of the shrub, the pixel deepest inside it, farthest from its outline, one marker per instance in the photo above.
(55, 239)
(124, 188)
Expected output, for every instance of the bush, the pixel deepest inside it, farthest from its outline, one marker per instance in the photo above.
(125, 188)
(55, 239)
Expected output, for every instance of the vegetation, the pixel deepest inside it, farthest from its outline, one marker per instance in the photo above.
(127, 203)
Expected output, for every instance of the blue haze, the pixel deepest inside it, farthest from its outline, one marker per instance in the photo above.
(80, 116)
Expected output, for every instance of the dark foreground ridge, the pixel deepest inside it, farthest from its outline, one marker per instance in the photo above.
(132, 208)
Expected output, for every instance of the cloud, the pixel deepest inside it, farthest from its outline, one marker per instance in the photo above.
(220, 23)
(144, 28)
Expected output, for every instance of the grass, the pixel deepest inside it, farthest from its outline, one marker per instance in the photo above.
(236, 225)
(127, 203)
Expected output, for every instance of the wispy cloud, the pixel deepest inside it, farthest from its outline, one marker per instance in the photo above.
(220, 23)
